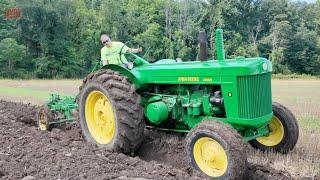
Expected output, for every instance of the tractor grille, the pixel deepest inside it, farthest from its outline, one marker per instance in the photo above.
(254, 95)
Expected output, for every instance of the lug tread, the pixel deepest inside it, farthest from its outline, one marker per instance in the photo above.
(127, 106)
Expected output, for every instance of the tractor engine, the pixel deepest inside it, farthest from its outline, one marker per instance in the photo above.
(179, 103)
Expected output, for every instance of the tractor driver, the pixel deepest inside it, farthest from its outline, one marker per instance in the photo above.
(110, 53)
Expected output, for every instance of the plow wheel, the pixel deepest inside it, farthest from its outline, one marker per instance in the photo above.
(284, 131)
(110, 112)
(217, 150)
(44, 117)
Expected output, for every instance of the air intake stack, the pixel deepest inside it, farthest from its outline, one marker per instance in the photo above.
(219, 44)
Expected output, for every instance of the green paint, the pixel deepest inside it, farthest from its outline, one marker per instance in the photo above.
(157, 112)
(62, 105)
(207, 107)
(169, 130)
(179, 95)
(219, 44)
(251, 134)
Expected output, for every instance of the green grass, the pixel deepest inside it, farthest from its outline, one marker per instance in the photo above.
(309, 123)
(24, 92)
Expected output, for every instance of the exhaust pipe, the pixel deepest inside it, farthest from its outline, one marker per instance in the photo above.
(203, 51)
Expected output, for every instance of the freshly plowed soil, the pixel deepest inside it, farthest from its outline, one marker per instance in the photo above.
(26, 152)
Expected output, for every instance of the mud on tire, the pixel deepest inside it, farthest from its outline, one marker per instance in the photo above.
(229, 140)
(126, 107)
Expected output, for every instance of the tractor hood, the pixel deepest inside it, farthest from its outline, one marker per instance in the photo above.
(194, 72)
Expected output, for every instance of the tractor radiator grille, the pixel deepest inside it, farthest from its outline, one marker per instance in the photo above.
(254, 95)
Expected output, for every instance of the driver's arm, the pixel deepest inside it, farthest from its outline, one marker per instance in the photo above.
(105, 62)
(104, 57)
(131, 50)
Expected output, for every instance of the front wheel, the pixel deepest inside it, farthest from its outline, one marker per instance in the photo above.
(217, 150)
(284, 131)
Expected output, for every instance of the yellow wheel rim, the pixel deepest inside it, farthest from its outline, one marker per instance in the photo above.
(100, 117)
(210, 157)
(43, 121)
(276, 133)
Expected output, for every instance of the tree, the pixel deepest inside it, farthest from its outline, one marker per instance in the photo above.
(303, 53)
(61, 38)
(11, 54)
(7, 27)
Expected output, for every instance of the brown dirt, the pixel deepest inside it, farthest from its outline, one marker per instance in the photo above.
(63, 154)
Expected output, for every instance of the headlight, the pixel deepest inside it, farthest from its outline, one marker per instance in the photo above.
(265, 66)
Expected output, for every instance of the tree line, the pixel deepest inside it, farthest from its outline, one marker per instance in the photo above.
(60, 38)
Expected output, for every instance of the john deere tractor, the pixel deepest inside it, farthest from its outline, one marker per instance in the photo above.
(221, 104)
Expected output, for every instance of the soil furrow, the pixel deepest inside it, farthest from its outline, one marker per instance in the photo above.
(26, 152)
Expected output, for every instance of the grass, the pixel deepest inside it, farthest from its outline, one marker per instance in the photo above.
(24, 92)
(309, 123)
(294, 76)
(36, 91)
(301, 96)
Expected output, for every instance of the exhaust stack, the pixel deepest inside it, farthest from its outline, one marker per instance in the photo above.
(203, 52)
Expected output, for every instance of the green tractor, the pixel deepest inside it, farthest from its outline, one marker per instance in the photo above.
(221, 104)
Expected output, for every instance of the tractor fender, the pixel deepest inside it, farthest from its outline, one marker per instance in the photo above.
(125, 72)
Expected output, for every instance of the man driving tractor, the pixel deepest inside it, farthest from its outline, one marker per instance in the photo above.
(110, 53)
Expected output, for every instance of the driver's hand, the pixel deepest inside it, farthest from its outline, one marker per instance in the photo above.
(104, 62)
(129, 65)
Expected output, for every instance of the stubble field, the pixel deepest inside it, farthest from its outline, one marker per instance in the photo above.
(161, 154)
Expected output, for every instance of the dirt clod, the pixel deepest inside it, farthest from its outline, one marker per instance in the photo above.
(28, 178)
(62, 153)
(1, 174)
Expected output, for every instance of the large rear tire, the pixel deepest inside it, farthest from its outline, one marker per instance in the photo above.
(110, 112)
(284, 131)
(217, 150)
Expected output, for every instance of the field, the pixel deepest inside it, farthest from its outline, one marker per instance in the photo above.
(25, 151)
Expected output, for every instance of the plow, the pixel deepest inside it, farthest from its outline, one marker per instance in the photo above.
(58, 110)
(221, 104)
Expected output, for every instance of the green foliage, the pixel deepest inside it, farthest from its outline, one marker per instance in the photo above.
(7, 27)
(277, 58)
(60, 39)
(11, 57)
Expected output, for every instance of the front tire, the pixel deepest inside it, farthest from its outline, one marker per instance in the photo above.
(217, 150)
(284, 131)
(110, 112)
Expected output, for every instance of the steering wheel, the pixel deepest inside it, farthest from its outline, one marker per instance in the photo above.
(120, 53)
(130, 63)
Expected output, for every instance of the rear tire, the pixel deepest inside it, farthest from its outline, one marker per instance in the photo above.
(110, 112)
(284, 131)
(217, 150)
